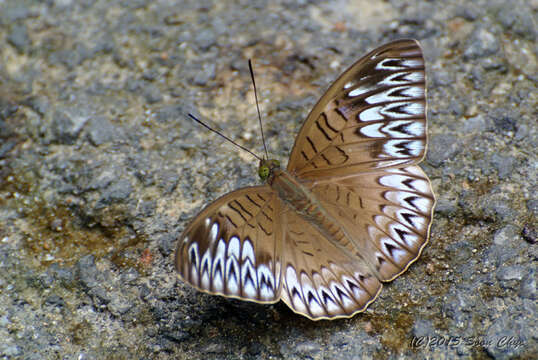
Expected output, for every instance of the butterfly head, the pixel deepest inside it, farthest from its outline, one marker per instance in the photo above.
(267, 167)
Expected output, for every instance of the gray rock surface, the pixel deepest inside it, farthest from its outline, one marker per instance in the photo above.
(100, 170)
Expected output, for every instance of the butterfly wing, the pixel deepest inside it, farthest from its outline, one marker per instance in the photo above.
(321, 280)
(233, 247)
(386, 214)
(356, 152)
(372, 117)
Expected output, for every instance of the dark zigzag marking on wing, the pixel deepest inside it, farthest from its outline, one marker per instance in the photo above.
(237, 203)
(389, 117)
(312, 144)
(252, 201)
(325, 117)
(323, 131)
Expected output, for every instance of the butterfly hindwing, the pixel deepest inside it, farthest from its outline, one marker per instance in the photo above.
(322, 280)
(232, 248)
(386, 214)
(372, 117)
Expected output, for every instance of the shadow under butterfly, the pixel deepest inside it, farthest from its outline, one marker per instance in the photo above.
(351, 210)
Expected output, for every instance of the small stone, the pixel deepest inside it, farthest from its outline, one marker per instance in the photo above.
(498, 208)
(506, 235)
(103, 180)
(18, 37)
(16, 12)
(6, 147)
(446, 206)
(442, 78)
(170, 113)
(150, 75)
(514, 272)
(517, 19)
(456, 107)
(423, 327)
(205, 39)
(134, 85)
(175, 18)
(301, 349)
(61, 274)
(67, 124)
(4, 321)
(496, 255)
(527, 288)
(503, 164)
(129, 276)
(56, 225)
(100, 294)
(475, 124)
(481, 43)
(532, 206)
(152, 93)
(39, 103)
(203, 77)
(87, 272)
(504, 119)
(167, 180)
(167, 243)
(147, 208)
(55, 300)
(176, 335)
(119, 305)
(7, 109)
(468, 13)
(214, 348)
(255, 348)
(308, 347)
(441, 148)
(101, 130)
(117, 192)
(522, 132)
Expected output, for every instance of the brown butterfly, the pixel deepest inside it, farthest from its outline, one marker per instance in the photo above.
(351, 210)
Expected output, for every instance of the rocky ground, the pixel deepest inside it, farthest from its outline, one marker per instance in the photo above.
(100, 171)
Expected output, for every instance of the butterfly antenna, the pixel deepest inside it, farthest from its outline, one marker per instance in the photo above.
(224, 136)
(257, 106)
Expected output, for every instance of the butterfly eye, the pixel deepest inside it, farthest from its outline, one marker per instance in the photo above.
(263, 172)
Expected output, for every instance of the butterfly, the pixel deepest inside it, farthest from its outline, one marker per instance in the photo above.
(351, 210)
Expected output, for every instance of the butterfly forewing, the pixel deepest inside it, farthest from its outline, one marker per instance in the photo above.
(372, 117)
(231, 248)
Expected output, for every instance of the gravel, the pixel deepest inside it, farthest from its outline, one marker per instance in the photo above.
(100, 171)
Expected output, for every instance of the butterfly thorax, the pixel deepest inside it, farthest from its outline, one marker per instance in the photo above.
(297, 196)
